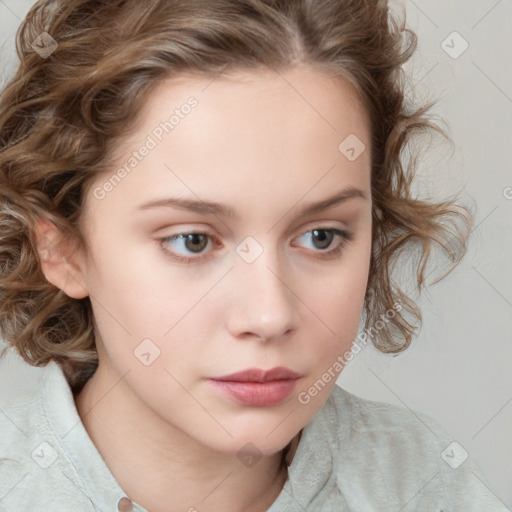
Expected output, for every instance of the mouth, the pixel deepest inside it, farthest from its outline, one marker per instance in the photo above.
(259, 375)
(257, 387)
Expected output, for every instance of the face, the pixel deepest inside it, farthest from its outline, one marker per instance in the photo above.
(244, 273)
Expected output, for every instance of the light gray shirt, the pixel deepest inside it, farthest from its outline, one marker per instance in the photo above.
(355, 455)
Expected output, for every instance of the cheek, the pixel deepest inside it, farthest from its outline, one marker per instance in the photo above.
(340, 299)
(341, 317)
(154, 309)
(339, 304)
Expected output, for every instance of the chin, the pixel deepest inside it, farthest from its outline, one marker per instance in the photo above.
(252, 441)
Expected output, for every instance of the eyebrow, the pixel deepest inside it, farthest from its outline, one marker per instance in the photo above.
(212, 208)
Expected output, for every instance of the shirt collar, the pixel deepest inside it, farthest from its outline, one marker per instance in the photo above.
(314, 464)
(99, 484)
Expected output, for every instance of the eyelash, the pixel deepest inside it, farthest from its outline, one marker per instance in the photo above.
(345, 238)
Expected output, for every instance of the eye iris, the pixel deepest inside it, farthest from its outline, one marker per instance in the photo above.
(325, 240)
(196, 238)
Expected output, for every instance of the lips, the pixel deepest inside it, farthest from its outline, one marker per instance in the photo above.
(259, 375)
(257, 387)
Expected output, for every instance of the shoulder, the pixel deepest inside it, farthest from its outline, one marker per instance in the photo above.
(374, 421)
(390, 436)
(396, 455)
(31, 456)
(19, 421)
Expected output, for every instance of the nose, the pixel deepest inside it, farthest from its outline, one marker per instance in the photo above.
(262, 303)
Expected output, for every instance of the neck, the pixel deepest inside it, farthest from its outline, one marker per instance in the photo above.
(164, 469)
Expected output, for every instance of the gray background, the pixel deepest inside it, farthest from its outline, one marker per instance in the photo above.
(458, 368)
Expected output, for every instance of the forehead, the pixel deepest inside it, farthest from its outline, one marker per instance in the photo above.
(299, 91)
(251, 138)
(273, 113)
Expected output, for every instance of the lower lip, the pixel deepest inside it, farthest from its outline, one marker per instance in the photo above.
(257, 393)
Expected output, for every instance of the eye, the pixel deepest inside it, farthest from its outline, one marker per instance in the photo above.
(322, 238)
(184, 246)
(193, 242)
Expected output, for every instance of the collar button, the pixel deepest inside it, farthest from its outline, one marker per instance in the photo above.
(125, 505)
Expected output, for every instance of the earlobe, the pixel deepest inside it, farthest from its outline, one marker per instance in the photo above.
(59, 258)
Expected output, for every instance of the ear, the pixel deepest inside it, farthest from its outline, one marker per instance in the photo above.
(61, 262)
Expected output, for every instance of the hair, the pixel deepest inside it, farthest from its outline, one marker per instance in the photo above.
(62, 114)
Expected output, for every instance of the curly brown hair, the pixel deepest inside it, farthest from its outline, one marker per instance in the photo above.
(61, 115)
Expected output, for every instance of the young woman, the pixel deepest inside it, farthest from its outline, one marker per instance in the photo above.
(198, 200)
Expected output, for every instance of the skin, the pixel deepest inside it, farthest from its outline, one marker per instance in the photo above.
(266, 145)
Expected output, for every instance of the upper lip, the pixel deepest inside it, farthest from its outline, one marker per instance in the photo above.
(259, 375)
